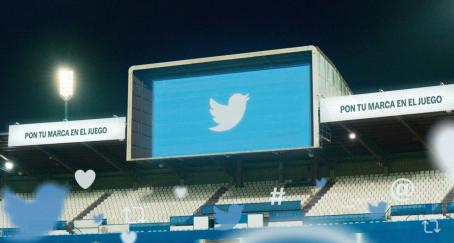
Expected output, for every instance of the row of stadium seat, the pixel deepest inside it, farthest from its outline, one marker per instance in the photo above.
(349, 195)
(352, 194)
(158, 203)
(256, 192)
(75, 203)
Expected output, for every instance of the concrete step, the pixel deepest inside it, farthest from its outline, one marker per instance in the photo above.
(86, 211)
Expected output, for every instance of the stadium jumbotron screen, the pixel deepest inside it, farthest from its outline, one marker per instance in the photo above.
(235, 112)
(215, 108)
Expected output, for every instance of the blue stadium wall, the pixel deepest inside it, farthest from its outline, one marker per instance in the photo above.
(378, 232)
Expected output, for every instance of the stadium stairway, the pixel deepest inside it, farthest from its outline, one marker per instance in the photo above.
(317, 196)
(86, 211)
(446, 200)
(213, 199)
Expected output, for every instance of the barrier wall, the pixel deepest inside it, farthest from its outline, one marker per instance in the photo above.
(345, 218)
(382, 232)
(256, 207)
(420, 209)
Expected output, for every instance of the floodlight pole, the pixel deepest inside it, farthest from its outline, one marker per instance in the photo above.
(66, 110)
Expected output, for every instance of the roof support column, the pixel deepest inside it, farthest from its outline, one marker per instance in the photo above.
(280, 171)
(314, 169)
(239, 173)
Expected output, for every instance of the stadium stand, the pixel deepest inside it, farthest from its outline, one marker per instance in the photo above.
(159, 202)
(351, 194)
(344, 202)
(348, 195)
(358, 171)
(4, 221)
(255, 192)
(75, 203)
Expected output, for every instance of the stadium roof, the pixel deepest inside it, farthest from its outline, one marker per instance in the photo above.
(379, 138)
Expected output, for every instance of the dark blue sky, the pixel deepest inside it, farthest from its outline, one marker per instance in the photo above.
(374, 44)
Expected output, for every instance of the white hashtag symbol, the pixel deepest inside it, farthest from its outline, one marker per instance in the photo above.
(277, 196)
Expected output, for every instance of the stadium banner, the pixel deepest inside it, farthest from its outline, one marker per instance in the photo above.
(385, 104)
(67, 132)
(245, 103)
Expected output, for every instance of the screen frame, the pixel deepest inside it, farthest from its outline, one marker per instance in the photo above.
(180, 65)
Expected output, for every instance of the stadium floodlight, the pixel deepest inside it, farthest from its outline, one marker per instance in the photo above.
(66, 86)
(9, 165)
(352, 136)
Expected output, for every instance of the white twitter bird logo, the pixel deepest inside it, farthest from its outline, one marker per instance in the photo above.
(228, 116)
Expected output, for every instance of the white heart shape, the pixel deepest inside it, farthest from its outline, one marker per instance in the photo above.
(180, 191)
(441, 140)
(85, 179)
(128, 237)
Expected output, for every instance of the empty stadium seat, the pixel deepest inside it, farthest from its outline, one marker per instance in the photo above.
(158, 203)
(257, 192)
(351, 194)
(75, 202)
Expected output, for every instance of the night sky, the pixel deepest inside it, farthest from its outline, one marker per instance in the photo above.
(373, 44)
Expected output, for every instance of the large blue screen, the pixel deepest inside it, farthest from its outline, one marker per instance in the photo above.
(250, 111)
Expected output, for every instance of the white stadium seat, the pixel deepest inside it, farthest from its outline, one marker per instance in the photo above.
(257, 192)
(349, 195)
